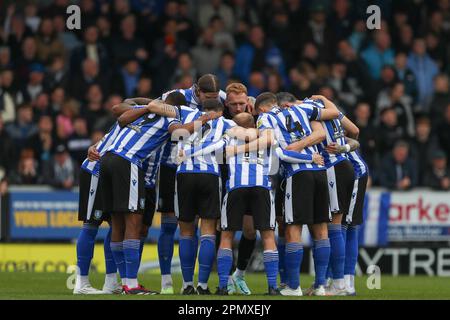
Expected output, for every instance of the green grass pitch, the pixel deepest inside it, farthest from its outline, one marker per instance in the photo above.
(22, 285)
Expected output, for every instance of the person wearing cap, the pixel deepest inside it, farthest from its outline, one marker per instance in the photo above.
(61, 172)
(438, 177)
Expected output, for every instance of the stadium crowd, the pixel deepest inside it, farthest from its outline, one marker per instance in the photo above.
(58, 86)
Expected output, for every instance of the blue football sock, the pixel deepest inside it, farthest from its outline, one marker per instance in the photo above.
(85, 247)
(206, 257)
(271, 267)
(109, 259)
(351, 250)
(187, 255)
(293, 259)
(281, 246)
(195, 240)
(224, 264)
(119, 258)
(321, 257)
(329, 271)
(141, 248)
(131, 253)
(337, 257)
(166, 243)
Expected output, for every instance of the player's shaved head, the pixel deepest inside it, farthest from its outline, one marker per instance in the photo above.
(265, 99)
(284, 98)
(212, 105)
(244, 119)
(176, 99)
(208, 83)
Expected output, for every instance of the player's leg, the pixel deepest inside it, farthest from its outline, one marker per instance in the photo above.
(352, 221)
(206, 254)
(297, 208)
(224, 260)
(342, 176)
(185, 210)
(319, 231)
(169, 225)
(116, 244)
(86, 239)
(111, 286)
(209, 203)
(245, 251)
(232, 211)
(264, 218)
(281, 243)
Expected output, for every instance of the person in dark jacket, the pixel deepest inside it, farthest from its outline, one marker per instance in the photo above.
(438, 177)
(398, 170)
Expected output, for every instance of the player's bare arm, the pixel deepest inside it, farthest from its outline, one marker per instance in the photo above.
(265, 140)
(243, 134)
(330, 111)
(350, 128)
(191, 126)
(131, 115)
(351, 145)
(137, 101)
(318, 135)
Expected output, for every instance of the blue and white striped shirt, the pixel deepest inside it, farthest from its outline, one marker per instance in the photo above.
(291, 125)
(169, 149)
(139, 139)
(192, 100)
(211, 134)
(359, 165)
(334, 133)
(151, 166)
(93, 167)
(250, 169)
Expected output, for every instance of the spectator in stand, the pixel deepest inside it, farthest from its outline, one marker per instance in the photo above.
(34, 86)
(302, 84)
(346, 87)
(90, 75)
(7, 149)
(356, 67)
(61, 171)
(65, 36)
(222, 38)
(144, 87)
(127, 45)
(57, 97)
(423, 145)
(90, 48)
(165, 54)
(398, 170)
(57, 74)
(93, 110)
(16, 30)
(405, 42)
(79, 141)
(379, 53)
(64, 121)
(41, 106)
(7, 106)
(441, 98)
(127, 78)
(367, 133)
(406, 76)
(25, 59)
(42, 143)
(27, 171)
(389, 131)
(24, 127)
(395, 97)
(425, 69)
(257, 84)
(206, 54)
(225, 71)
(48, 44)
(274, 83)
(216, 7)
(258, 54)
(443, 132)
(438, 176)
(185, 66)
